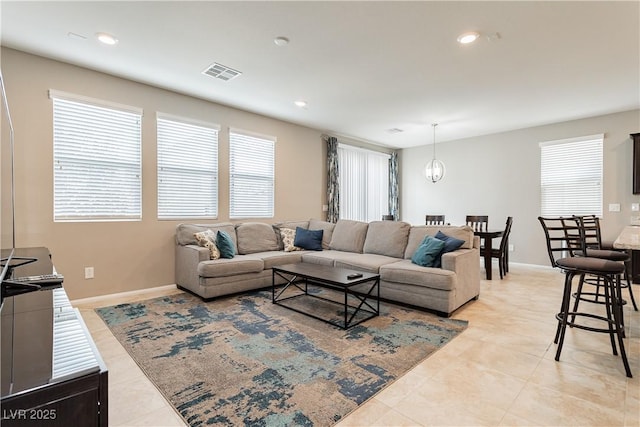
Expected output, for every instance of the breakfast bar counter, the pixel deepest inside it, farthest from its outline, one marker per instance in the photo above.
(629, 239)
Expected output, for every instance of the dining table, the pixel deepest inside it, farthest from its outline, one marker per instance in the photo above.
(486, 240)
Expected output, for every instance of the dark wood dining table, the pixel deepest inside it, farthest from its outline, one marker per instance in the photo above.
(486, 240)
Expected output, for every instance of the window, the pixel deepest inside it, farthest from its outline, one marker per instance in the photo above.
(364, 183)
(97, 160)
(251, 172)
(571, 176)
(187, 169)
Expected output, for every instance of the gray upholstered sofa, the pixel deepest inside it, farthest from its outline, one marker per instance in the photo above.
(383, 247)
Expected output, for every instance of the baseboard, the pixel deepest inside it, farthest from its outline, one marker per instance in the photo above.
(145, 291)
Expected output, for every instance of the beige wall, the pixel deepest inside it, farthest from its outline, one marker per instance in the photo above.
(134, 255)
(496, 175)
(499, 175)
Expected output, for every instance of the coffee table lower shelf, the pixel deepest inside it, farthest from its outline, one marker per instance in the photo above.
(357, 306)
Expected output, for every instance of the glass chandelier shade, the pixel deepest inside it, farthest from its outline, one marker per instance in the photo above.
(434, 171)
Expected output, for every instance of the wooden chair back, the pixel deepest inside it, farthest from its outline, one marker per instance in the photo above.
(434, 219)
(478, 222)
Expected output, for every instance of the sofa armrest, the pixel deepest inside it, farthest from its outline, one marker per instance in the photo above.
(461, 259)
(187, 259)
(466, 264)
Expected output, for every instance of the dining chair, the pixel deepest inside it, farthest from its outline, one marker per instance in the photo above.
(502, 252)
(434, 219)
(478, 222)
(565, 238)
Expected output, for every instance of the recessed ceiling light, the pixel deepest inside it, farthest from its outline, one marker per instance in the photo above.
(107, 38)
(469, 37)
(301, 103)
(281, 41)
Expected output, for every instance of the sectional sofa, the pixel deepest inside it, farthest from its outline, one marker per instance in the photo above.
(383, 247)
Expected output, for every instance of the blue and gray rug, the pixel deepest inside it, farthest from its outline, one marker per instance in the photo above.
(242, 360)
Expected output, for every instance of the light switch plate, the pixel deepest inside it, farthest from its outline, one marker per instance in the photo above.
(614, 207)
(635, 207)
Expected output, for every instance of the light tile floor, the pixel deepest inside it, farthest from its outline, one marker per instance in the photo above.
(499, 372)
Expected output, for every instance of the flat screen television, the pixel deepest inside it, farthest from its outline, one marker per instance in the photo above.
(7, 213)
(8, 258)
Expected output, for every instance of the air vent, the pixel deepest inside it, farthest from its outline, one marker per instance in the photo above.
(221, 72)
(394, 130)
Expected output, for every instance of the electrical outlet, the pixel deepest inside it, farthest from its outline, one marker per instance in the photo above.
(510, 247)
(614, 207)
(325, 208)
(88, 272)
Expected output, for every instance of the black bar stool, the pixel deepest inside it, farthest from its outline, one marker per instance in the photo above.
(564, 235)
(590, 225)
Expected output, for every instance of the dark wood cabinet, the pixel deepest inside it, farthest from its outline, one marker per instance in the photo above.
(636, 162)
(635, 266)
(52, 372)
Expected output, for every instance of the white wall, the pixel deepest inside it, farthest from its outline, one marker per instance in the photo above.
(499, 175)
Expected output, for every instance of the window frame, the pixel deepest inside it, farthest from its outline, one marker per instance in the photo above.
(237, 208)
(365, 178)
(586, 170)
(69, 136)
(194, 127)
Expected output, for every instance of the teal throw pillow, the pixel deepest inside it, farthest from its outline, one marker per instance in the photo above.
(428, 251)
(225, 245)
(308, 239)
(450, 244)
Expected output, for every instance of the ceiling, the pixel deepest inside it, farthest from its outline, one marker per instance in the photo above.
(363, 67)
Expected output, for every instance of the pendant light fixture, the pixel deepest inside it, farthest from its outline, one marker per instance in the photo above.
(434, 171)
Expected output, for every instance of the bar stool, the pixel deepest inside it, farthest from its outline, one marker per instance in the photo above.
(590, 225)
(563, 236)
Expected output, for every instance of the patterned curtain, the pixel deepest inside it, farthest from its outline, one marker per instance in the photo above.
(394, 208)
(333, 183)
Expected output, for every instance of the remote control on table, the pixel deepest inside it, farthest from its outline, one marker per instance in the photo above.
(354, 276)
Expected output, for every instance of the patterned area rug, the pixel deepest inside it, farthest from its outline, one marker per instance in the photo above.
(242, 360)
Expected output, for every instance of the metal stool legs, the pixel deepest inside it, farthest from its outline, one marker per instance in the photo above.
(613, 319)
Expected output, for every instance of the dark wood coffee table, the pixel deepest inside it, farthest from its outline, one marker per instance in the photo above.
(299, 276)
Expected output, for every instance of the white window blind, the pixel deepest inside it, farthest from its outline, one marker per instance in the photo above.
(364, 183)
(251, 175)
(571, 176)
(97, 161)
(187, 169)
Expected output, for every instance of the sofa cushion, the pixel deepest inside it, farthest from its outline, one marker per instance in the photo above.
(288, 237)
(185, 232)
(429, 250)
(308, 239)
(349, 236)
(225, 244)
(327, 230)
(224, 267)
(276, 258)
(207, 239)
(287, 224)
(419, 232)
(255, 237)
(365, 262)
(406, 272)
(450, 244)
(387, 238)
